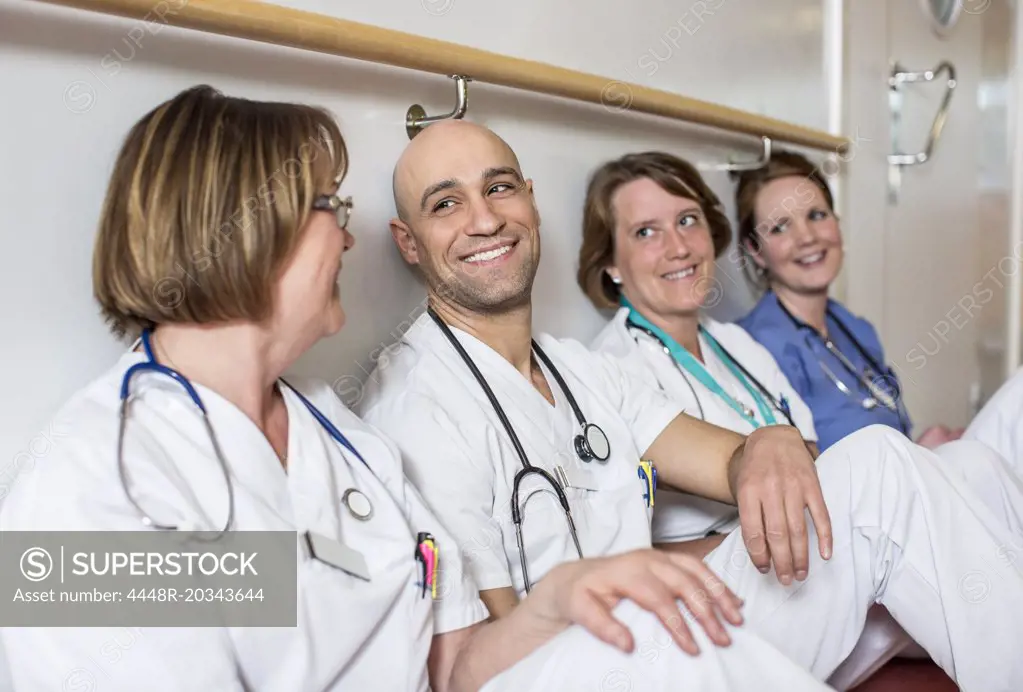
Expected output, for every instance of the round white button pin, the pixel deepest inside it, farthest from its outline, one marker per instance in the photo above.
(358, 504)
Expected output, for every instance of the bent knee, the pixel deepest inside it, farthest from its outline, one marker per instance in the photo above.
(967, 452)
(970, 459)
(863, 456)
(872, 445)
(877, 435)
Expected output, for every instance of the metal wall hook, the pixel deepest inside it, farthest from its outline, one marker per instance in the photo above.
(416, 118)
(899, 77)
(735, 167)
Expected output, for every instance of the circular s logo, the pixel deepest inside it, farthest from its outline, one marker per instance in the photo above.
(36, 564)
(79, 680)
(616, 96)
(974, 587)
(79, 97)
(349, 389)
(438, 8)
(708, 291)
(975, 6)
(169, 292)
(616, 680)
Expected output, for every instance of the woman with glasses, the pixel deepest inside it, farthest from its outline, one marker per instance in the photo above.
(220, 246)
(792, 244)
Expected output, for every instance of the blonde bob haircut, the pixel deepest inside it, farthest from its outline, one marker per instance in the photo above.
(204, 207)
(675, 176)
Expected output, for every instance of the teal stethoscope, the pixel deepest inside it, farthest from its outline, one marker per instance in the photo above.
(686, 362)
(358, 504)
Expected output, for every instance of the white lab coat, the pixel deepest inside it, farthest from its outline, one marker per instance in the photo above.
(351, 635)
(458, 454)
(680, 516)
(999, 424)
(907, 534)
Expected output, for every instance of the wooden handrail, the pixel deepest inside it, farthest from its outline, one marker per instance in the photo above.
(267, 23)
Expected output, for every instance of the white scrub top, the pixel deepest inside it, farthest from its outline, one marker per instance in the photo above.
(681, 516)
(999, 424)
(424, 397)
(351, 634)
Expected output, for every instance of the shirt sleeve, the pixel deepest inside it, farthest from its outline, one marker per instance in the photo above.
(645, 408)
(452, 470)
(458, 603)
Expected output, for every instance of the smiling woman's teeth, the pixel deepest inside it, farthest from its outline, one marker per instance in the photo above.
(681, 274)
(488, 255)
(811, 259)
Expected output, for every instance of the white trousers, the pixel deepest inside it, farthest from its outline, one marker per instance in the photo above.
(911, 535)
(576, 661)
(999, 487)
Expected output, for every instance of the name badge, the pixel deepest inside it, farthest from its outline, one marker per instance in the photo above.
(576, 477)
(337, 554)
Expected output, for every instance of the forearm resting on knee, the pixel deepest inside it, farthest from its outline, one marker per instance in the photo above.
(699, 547)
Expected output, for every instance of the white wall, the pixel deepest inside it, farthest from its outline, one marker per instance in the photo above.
(69, 100)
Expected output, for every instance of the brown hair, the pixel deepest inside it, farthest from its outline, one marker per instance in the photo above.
(204, 207)
(675, 176)
(783, 164)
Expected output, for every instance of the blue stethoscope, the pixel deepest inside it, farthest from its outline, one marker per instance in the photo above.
(358, 504)
(686, 362)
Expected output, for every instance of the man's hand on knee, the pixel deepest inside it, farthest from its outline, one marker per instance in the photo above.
(586, 592)
(774, 480)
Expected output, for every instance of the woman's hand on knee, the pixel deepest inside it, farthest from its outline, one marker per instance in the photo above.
(585, 592)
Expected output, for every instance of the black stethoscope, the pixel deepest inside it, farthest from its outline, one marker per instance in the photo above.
(591, 444)
(780, 405)
(875, 394)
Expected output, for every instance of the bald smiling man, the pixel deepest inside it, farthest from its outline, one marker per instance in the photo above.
(534, 452)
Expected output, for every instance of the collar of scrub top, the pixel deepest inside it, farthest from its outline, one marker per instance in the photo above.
(892, 403)
(152, 364)
(322, 548)
(684, 359)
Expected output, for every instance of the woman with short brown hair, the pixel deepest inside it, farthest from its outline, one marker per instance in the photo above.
(652, 229)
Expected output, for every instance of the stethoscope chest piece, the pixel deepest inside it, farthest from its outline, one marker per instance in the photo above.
(358, 504)
(592, 444)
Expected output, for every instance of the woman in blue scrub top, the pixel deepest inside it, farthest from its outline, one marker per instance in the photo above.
(833, 359)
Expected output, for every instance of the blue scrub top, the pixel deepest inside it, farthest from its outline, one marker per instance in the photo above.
(800, 353)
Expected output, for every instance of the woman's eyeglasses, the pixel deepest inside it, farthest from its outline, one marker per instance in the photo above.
(341, 207)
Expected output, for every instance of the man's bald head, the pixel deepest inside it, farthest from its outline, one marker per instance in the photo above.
(421, 164)
(466, 217)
